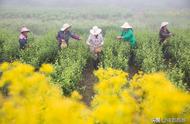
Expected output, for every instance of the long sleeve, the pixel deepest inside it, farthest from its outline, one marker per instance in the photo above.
(164, 33)
(74, 36)
(127, 36)
(59, 39)
(102, 39)
(88, 40)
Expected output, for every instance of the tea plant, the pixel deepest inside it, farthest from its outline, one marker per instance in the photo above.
(41, 50)
(149, 53)
(115, 53)
(8, 45)
(179, 50)
(69, 66)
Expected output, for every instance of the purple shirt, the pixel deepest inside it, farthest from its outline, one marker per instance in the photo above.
(66, 36)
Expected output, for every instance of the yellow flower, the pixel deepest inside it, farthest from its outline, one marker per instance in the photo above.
(76, 95)
(33, 98)
(46, 68)
(4, 66)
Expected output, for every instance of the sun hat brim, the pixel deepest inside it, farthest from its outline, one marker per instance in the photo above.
(164, 24)
(66, 27)
(25, 30)
(124, 26)
(95, 32)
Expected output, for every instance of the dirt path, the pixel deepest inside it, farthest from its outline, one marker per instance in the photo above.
(132, 70)
(87, 83)
(1, 61)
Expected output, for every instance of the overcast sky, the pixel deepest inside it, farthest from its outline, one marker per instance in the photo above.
(127, 3)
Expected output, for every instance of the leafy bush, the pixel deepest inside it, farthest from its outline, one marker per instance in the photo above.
(1, 46)
(149, 53)
(176, 75)
(41, 50)
(69, 66)
(9, 45)
(179, 50)
(115, 53)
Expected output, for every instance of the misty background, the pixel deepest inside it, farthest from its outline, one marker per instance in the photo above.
(126, 3)
(43, 15)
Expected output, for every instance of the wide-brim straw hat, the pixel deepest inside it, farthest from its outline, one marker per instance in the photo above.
(164, 24)
(95, 30)
(65, 26)
(126, 25)
(24, 29)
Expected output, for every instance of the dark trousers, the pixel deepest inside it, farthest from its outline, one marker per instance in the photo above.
(96, 61)
(165, 51)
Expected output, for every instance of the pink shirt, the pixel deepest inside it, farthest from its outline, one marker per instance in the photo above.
(22, 37)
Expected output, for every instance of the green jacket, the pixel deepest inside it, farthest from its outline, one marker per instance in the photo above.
(129, 37)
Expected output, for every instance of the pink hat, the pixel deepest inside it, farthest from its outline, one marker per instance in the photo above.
(24, 29)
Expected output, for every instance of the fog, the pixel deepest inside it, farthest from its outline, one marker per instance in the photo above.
(138, 4)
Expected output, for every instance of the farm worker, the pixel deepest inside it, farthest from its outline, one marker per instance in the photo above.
(65, 34)
(95, 42)
(164, 32)
(127, 34)
(23, 38)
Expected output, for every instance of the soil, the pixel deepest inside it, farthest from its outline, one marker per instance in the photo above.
(89, 80)
(87, 83)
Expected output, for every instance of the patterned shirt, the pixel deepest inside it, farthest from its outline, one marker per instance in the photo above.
(95, 41)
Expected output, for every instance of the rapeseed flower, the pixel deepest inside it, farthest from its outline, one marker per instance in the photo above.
(32, 98)
(46, 68)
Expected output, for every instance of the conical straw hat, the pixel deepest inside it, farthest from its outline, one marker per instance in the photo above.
(65, 26)
(164, 24)
(126, 25)
(95, 30)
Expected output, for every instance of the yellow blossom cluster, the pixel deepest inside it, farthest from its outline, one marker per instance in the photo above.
(32, 99)
(28, 96)
(112, 104)
(159, 98)
(141, 100)
(46, 68)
